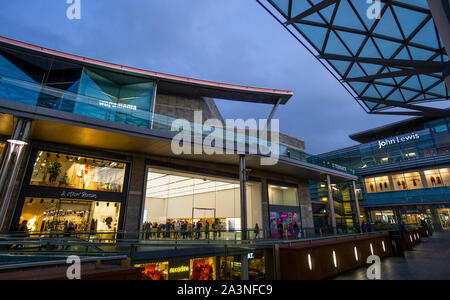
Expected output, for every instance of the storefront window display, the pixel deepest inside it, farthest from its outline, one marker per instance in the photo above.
(431, 178)
(256, 266)
(77, 172)
(284, 211)
(155, 271)
(413, 180)
(283, 223)
(378, 184)
(181, 201)
(383, 216)
(59, 215)
(203, 269)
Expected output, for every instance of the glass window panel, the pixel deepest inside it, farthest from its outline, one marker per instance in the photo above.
(400, 183)
(445, 174)
(434, 178)
(281, 195)
(370, 185)
(60, 215)
(414, 180)
(75, 172)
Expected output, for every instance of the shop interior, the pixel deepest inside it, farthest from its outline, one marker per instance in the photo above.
(77, 172)
(178, 199)
(61, 215)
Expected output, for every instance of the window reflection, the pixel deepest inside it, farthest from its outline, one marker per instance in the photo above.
(76, 172)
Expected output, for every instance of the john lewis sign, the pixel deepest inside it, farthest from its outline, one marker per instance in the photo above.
(398, 140)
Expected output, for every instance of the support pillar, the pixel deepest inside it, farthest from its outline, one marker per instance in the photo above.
(358, 210)
(436, 220)
(307, 219)
(265, 208)
(136, 198)
(440, 10)
(243, 188)
(244, 267)
(331, 204)
(10, 167)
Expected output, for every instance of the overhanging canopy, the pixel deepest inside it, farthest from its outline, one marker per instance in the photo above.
(397, 60)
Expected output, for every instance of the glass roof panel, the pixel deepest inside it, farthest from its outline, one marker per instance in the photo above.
(393, 50)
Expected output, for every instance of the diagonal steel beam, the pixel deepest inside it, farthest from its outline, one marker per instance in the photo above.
(310, 11)
(399, 113)
(386, 62)
(394, 74)
(425, 109)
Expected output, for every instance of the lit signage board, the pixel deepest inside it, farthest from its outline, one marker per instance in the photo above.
(398, 140)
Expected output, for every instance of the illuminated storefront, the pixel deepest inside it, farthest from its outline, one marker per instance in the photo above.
(206, 268)
(182, 199)
(284, 211)
(72, 192)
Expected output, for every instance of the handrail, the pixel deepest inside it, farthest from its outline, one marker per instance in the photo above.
(61, 262)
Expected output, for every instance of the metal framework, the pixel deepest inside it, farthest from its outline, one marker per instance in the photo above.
(393, 61)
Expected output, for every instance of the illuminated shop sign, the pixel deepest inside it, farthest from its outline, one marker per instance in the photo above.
(398, 140)
(179, 269)
(78, 195)
(113, 105)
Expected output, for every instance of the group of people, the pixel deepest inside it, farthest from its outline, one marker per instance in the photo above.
(182, 229)
(203, 229)
(285, 230)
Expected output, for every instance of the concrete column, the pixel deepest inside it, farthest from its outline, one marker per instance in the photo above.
(331, 204)
(244, 267)
(136, 197)
(265, 207)
(243, 187)
(440, 10)
(435, 218)
(11, 166)
(358, 210)
(304, 197)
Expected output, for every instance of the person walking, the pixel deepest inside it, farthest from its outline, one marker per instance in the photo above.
(256, 231)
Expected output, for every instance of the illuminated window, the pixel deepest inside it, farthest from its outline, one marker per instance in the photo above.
(55, 215)
(75, 172)
(400, 183)
(414, 180)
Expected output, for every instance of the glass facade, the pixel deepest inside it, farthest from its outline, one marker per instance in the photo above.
(77, 172)
(75, 88)
(178, 201)
(69, 215)
(362, 51)
(406, 181)
(429, 142)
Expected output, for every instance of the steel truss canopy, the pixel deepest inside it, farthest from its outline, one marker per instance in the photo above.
(394, 61)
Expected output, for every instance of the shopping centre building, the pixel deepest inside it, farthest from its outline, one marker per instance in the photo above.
(391, 57)
(87, 145)
(405, 173)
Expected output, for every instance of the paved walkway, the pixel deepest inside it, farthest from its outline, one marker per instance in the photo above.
(429, 261)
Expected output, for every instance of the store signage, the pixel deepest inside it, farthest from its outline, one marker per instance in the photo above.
(398, 140)
(113, 105)
(179, 270)
(339, 167)
(78, 195)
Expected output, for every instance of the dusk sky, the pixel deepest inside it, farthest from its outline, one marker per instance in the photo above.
(232, 41)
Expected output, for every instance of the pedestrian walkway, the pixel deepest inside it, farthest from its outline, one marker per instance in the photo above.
(429, 261)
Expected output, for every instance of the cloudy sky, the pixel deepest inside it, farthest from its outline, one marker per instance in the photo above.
(233, 41)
